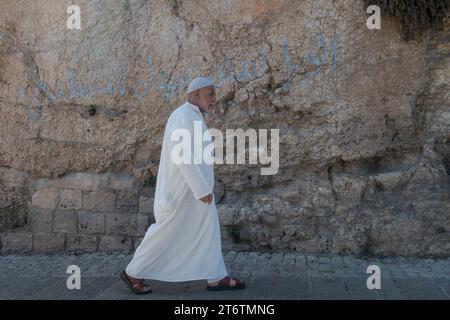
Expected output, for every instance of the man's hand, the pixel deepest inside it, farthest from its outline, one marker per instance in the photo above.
(207, 199)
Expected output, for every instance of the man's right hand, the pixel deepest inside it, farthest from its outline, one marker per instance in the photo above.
(207, 199)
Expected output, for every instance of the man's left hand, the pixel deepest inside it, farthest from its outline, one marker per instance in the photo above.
(207, 199)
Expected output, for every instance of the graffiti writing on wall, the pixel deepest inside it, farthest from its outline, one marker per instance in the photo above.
(170, 86)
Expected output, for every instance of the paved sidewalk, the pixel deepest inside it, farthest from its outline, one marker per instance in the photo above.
(268, 276)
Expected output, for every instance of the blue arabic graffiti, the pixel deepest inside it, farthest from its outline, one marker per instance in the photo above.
(172, 86)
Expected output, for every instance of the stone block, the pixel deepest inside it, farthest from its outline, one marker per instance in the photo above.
(17, 243)
(122, 224)
(70, 199)
(81, 243)
(77, 180)
(91, 222)
(48, 242)
(45, 199)
(123, 182)
(115, 243)
(65, 221)
(41, 220)
(127, 202)
(100, 201)
(145, 205)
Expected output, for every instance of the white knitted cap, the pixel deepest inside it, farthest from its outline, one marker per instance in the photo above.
(199, 83)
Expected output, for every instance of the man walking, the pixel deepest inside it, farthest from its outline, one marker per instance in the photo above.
(184, 244)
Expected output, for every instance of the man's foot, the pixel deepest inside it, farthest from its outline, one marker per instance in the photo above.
(226, 283)
(137, 286)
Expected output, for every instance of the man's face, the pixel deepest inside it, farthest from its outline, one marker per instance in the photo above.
(206, 99)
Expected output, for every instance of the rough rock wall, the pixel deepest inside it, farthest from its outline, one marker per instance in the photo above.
(363, 116)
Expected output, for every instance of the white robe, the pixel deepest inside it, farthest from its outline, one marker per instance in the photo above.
(184, 244)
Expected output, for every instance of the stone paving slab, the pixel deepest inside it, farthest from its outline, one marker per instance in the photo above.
(268, 276)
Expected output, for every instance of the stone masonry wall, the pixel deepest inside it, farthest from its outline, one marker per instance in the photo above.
(363, 118)
(83, 213)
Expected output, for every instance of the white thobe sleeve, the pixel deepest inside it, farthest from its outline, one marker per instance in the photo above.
(192, 173)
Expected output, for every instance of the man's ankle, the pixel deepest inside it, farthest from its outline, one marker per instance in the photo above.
(214, 281)
(132, 278)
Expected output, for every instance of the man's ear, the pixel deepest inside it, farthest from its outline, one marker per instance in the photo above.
(197, 95)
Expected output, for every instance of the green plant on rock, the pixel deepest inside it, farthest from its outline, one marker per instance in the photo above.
(126, 5)
(235, 233)
(415, 15)
(150, 181)
(92, 109)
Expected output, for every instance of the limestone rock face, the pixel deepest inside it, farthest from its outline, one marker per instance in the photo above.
(363, 120)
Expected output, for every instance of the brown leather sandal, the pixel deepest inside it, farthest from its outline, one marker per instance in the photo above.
(138, 287)
(225, 284)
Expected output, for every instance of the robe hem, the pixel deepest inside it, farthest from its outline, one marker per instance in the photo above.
(182, 279)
